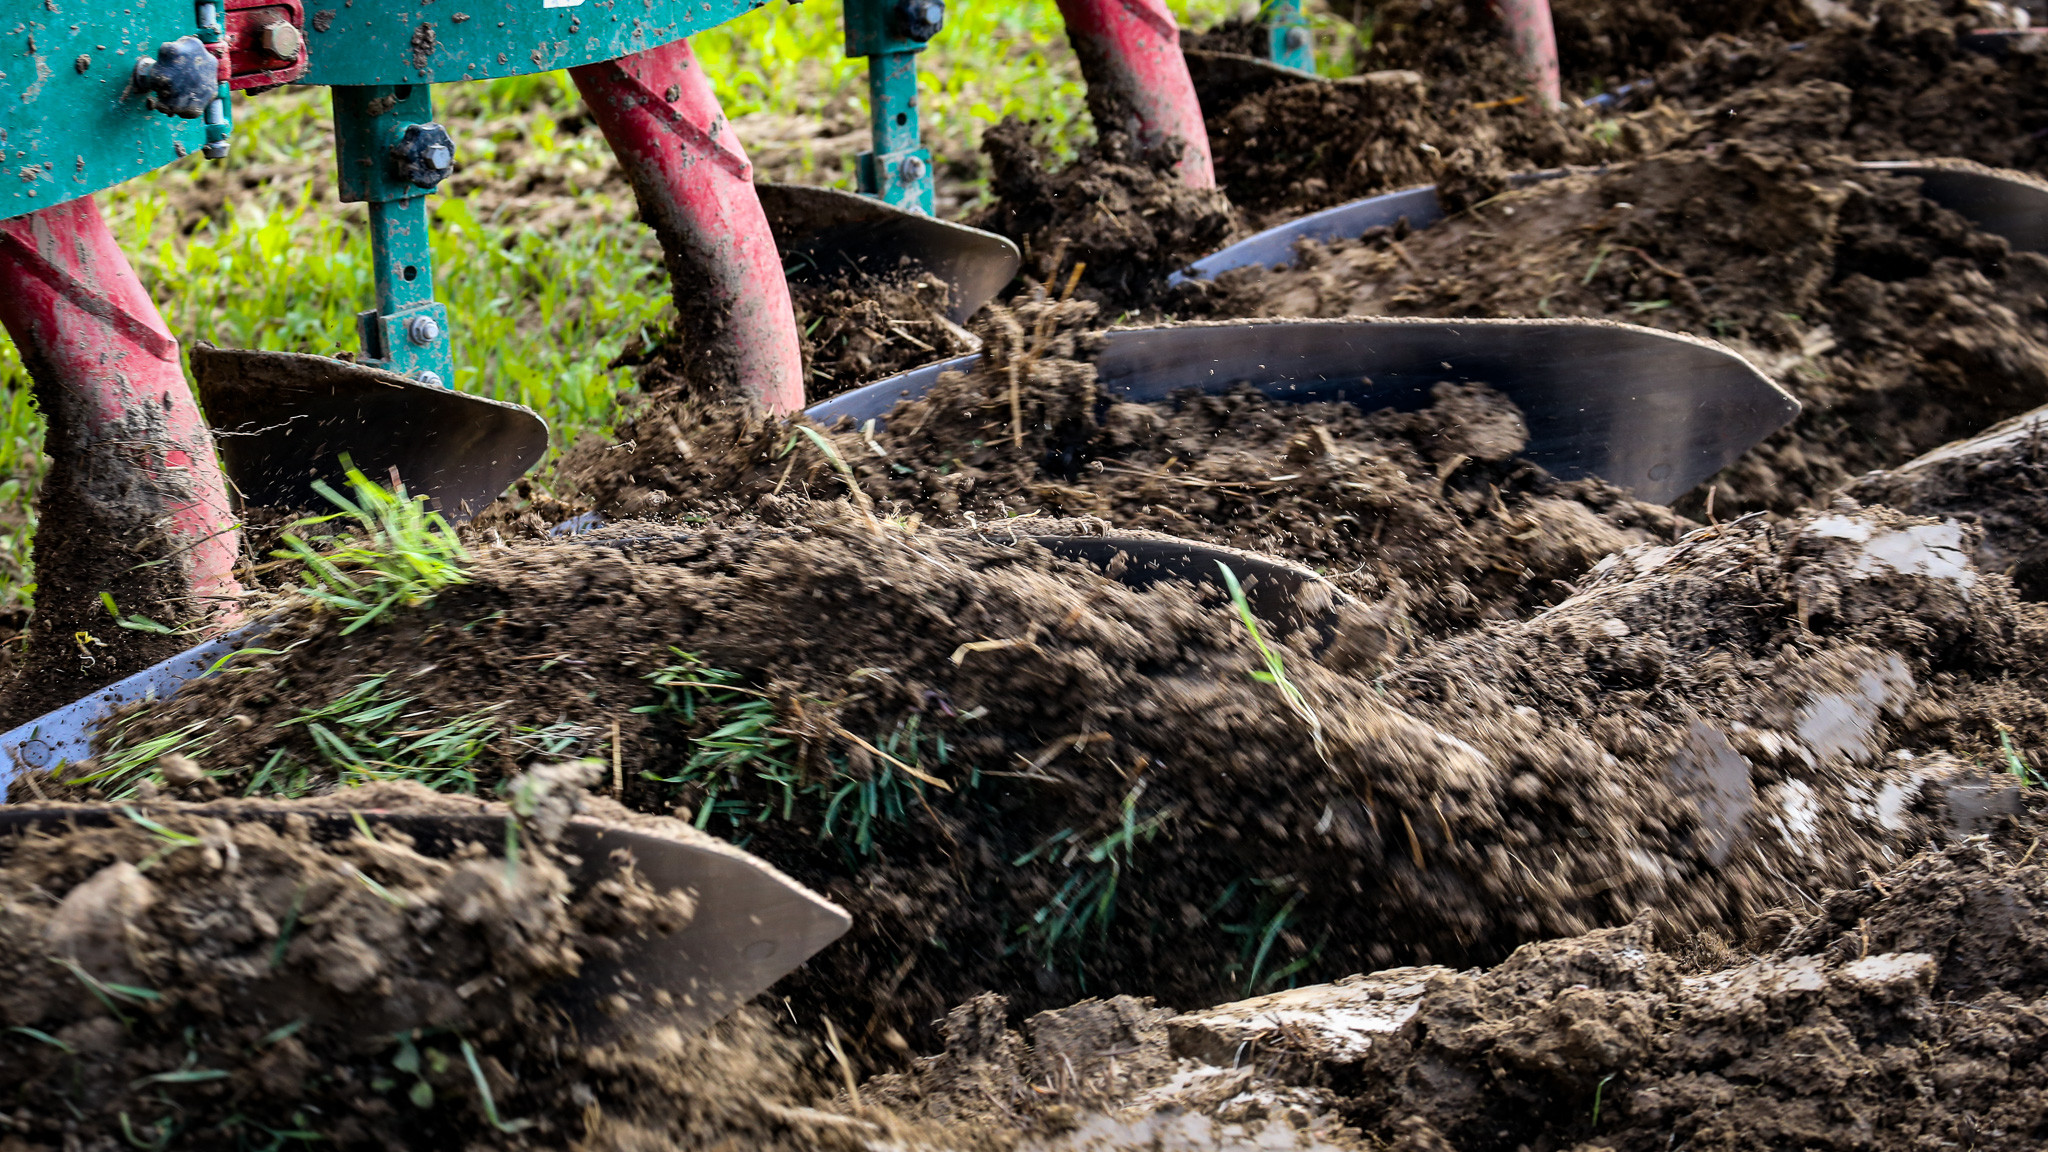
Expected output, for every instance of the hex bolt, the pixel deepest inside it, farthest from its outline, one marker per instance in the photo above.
(282, 40)
(182, 80)
(918, 20)
(422, 330)
(1297, 39)
(911, 170)
(431, 379)
(424, 156)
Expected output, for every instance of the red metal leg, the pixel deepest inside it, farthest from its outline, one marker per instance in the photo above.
(1137, 78)
(121, 422)
(696, 188)
(1535, 41)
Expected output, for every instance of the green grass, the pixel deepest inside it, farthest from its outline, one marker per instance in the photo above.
(543, 288)
(741, 770)
(394, 553)
(1085, 902)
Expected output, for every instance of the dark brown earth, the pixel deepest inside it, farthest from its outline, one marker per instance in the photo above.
(1601, 44)
(1553, 710)
(1431, 511)
(1995, 481)
(194, 976)
(1708, 730)
(1896, 324)
(1904, 1011)
(857, 333)
(1118, 218)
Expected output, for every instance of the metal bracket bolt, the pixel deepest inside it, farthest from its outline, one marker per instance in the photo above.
(918, 19)
(422, 330)
(424, 156)
(911, 170)
(183, 79)
(282, 40)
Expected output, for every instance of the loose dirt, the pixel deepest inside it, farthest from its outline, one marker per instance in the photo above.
(1995, 481)
(1118, 217)
(1903, 1012)
(1018, 774)
(229, 974)
(1431, 512)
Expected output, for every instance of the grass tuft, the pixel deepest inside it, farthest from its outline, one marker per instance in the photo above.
(400, 554)
(1275, 672)
(742, 764)
(1087, 901)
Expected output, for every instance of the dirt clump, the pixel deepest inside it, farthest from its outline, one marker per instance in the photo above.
(1295, 148)
(1903, 1012)
(855, 333)
(1433, 511)
(1118, 215)
(1895, 80)
(206, 975)
(1601, 44)
(1004, 764)
(1995, 481)
(1897, 324)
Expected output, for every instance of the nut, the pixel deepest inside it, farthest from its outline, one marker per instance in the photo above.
(282, 40)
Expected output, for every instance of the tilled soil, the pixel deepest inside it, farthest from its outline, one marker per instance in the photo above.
(1116, 220)
(1995, 480)
(235, 975)
(1904, 1011)
(851, 332)
(1431, 512)
(1601, 44)
(1018, 774)
(1896, 324)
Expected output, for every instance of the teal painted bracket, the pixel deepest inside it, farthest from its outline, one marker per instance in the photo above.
(890, 33)
(69, 124)
(220, 115)
(367, 42)
(1288, 42)
(896, 170)
(407, 332)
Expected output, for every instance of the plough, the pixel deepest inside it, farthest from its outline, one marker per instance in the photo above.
(99, 96)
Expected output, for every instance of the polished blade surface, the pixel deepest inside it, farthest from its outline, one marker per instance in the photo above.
(825, 233)
(284, 420)
(2002, 202)
(1653, 411)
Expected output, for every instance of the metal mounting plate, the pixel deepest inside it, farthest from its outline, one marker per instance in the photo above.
(403, 42)
(1656, 412)
(69, 125)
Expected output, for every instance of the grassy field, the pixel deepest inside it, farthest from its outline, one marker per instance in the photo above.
(543, 270)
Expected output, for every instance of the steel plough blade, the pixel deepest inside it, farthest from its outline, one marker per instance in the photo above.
(284, 420)
(1656, 412)
(825, 233)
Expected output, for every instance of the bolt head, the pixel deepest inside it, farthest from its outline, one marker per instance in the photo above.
(422, 330)
(424, 156)
(912, 169)
(282, 41)
(431, 379)
(1297, 39)
(918, 19)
